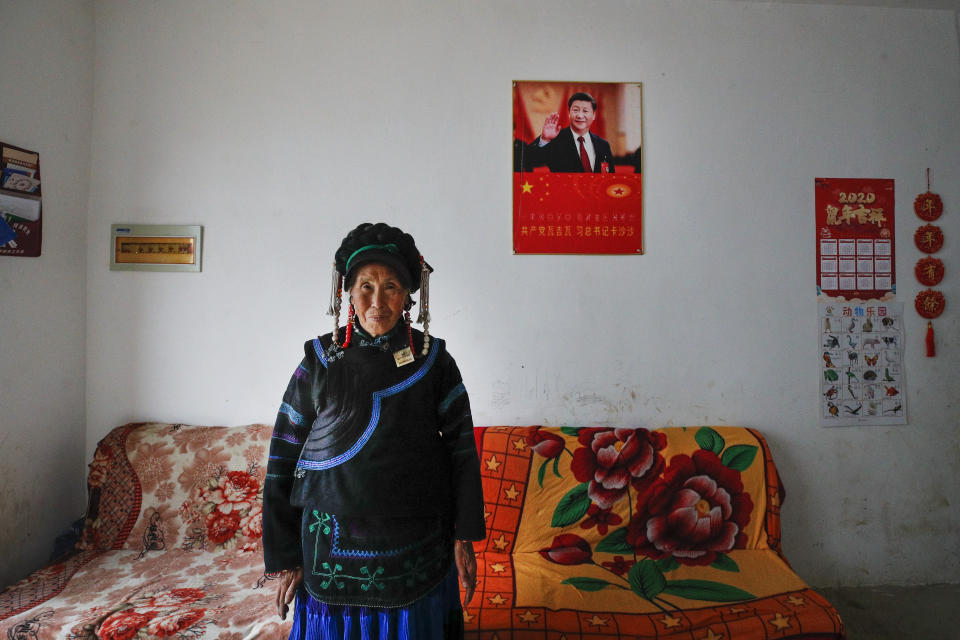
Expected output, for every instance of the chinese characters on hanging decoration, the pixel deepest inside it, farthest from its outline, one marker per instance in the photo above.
(855, 239)
(929, 271)
(861, 369)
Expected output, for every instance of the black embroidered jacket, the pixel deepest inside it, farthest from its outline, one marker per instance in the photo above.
(373, 471)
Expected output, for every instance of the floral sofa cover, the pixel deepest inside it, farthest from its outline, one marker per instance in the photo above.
(592, 533)
(171, 545)
(628, 533)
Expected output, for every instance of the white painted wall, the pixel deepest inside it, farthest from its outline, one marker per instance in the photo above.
(46, 104)
(279, 126)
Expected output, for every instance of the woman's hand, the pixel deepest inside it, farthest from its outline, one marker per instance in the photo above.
(466, 567)
(289, 579)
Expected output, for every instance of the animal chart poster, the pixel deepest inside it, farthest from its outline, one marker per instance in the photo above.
(855, 237)
(577, 169)
(861, 372)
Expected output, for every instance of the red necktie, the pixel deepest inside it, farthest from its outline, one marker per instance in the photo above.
(584, 158)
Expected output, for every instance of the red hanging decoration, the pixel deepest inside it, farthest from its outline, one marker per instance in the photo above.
(929, 271)
(350, 316)
(928, 238)
(928, 206)
(929, 303)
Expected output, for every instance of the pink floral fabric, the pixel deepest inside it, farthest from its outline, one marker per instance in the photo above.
(172, 544)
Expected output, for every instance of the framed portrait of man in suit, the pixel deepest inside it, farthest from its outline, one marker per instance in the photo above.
(577, 167)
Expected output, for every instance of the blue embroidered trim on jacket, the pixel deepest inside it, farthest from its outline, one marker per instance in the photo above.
(455, 393)
(375, 415)
(301, 372)
(320, 354)
(291, 414)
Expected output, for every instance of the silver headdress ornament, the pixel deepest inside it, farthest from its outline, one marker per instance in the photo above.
(336, 290)
(424, 317)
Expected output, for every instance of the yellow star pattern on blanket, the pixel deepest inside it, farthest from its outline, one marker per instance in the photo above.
(780, 622)
(670, 622)
(529, 616)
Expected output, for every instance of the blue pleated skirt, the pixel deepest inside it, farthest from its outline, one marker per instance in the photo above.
(438, 615)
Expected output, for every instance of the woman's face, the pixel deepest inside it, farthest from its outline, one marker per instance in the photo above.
(378, 298)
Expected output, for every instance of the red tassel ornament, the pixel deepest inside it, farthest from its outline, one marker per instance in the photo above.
(931, 347)
(346, 343)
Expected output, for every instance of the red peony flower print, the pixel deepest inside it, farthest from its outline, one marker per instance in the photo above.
(696, 510)
(124, 625)
(546, 444)
(232, 492)
(221, 527)
(568, 548)
(176, 597)
(601, 519)
(173, 623)
(619, 566)
(251, 525)
(613, 459)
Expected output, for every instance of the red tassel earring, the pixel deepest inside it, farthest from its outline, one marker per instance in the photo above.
(931, 347)
(350, 315)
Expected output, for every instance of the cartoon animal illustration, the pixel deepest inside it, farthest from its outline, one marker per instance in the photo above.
(851, 342)
(871, 408)
(853, 394)
(869, 374)
(827, 360)
(830, 375)
(826, 325)
(871, 342)
(831, 393)
(868, 325)
(886, 375)
(891, 391)
(887, 322)
(851, 376)
(871, 360)
(852, 411)
(832, 342)
(832, 408)
(869, 392)
(896, 408)
(852, 356)
(853, 325)
(891, 341)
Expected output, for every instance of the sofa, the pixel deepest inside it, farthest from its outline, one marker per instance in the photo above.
(592, 533)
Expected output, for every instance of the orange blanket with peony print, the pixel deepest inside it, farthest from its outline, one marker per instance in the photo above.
(635, 533)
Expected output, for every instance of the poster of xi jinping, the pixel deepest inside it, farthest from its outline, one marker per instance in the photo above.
(577, 167)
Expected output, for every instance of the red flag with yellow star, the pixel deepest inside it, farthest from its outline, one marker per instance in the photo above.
(577, 213)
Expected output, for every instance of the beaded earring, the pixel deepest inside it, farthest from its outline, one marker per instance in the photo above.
(336, 290)
(350, 316)
(424, 317)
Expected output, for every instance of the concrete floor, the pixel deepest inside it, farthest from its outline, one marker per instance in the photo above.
(898, 613)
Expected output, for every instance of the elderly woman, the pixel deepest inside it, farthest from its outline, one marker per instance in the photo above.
(373, 492)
